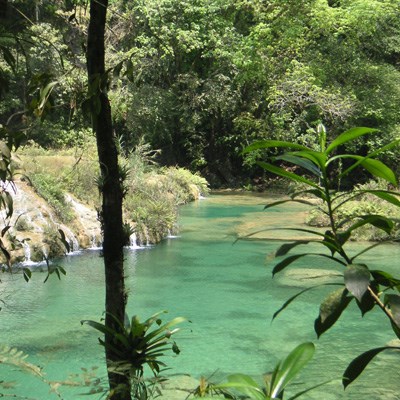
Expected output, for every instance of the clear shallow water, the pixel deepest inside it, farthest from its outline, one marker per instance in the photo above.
(224, 288)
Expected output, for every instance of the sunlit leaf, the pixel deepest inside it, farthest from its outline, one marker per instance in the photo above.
(379, 221)
(265, 144)
(388, 196)
(291, 366)
(375, 167)
(349, 135)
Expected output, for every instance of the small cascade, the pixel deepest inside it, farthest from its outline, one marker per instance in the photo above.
(71, 239)
(170, 235)
(27, 253)
(133, 241)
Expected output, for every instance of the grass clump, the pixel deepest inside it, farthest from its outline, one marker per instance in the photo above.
(48, 187)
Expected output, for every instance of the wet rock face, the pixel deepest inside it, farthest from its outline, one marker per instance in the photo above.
(34, 231)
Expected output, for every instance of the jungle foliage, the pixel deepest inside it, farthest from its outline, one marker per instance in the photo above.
(200, 79)
(355, 282)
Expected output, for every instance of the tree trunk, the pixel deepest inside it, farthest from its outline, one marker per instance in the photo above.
(3, 9)
(111, 189)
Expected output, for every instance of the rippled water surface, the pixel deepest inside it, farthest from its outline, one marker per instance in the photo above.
(224, 287)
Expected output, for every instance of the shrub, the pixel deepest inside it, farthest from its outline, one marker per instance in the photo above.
(51, 190)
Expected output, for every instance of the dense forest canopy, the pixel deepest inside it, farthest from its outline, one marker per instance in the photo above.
(201, 79)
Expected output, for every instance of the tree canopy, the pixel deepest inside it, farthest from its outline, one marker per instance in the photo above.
(201, 79)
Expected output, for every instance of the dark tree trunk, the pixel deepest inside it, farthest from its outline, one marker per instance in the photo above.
(111, 189)
(3, 9)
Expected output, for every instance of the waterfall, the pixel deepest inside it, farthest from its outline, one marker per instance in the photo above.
(27, 253)
(71, 239)
(133, 241)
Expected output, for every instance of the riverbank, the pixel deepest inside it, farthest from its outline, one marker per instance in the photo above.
(55, 196)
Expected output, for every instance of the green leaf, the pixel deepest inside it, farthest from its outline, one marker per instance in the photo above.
(277, 203)
(286, 247)
(290, 300)
(367, 302)
(349, 135)
(385, 279)
(357, 366)
(306, 164)
(290, 259)
(330, 310)
(265, 144)
(316, 157)
(287, 261)
(378, 221)
(356, 279)
(393, 300)
(27, 273)
(291, 366)
(244, 384)
(45, 93)
(386, 195)
(64, 240)
(375, 167)
(286, 174)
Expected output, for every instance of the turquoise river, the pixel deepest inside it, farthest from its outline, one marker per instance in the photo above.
(224, 287)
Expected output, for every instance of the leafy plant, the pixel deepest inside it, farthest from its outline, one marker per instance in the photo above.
(136, 346)
(318, 170)
(275, 384)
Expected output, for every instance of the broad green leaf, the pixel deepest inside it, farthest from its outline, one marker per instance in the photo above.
(291, 366)
(286, 174)
(286, 262)
(356, 279)
(386, 195)
(244, 384)
(265, 144)
(385, 279)
(290, 259)
(316, 157)
(318, 193)
(375, 167)
(357, 366)
(349, 135)
(331, 309)
(378, 221)
(301, 162)
(45, 93)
